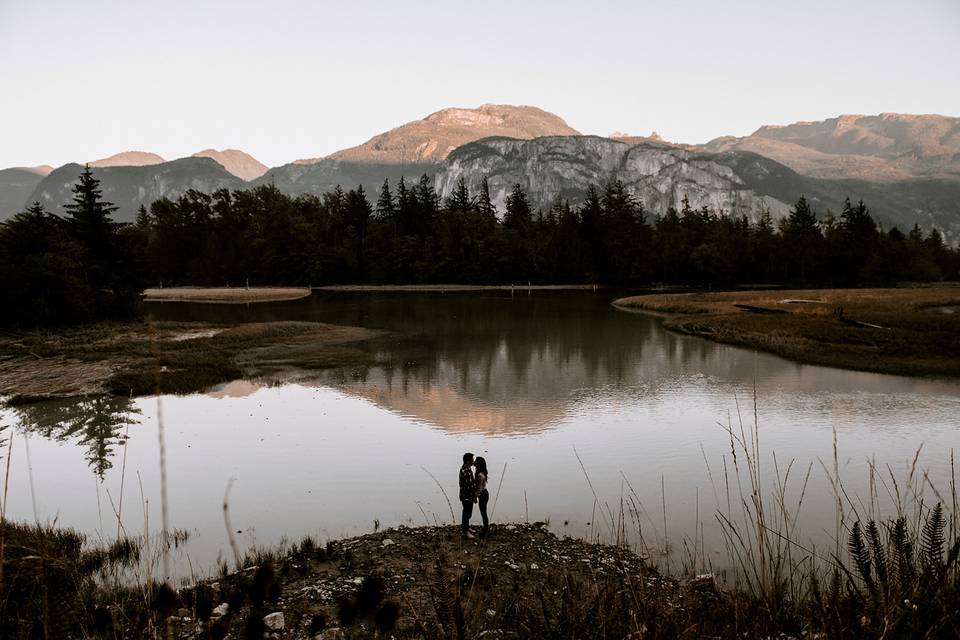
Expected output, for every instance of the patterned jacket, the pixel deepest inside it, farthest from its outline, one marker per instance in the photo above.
(468, 484)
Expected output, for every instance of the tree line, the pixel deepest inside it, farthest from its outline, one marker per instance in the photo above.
(83, 266)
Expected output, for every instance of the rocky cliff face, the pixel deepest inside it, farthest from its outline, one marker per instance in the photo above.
(434, 137)
(561, 168)
(237, 162)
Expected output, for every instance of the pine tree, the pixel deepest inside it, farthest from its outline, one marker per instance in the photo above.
(460, 201)
(484, 204)
(518, 215)
(386, 209)
(88, 219)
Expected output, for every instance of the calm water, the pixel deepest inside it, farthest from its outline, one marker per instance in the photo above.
(531, 382)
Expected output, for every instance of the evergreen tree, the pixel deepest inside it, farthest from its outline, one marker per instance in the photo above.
(484, 204)
(802, 239)
(90, 224)
(385, 205)
(518, 215)
(459, 200)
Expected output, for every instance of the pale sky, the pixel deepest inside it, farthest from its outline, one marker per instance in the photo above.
(284, 79)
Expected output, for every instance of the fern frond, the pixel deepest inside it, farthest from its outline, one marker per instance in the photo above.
(861, 557)
(878, 553)
(932, 541)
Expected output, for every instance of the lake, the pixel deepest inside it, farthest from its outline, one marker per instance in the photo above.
(583, 411)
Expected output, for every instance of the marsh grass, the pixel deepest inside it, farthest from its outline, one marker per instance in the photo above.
(826, 326)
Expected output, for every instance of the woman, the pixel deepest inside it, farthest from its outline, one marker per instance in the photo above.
(483, 496)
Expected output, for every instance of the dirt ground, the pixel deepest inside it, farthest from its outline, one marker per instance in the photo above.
(904, 331)
(343, 588)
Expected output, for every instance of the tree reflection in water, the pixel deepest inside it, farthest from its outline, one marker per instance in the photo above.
(98, 423)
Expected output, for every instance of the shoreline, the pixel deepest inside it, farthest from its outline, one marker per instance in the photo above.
(889, 331)
(138, 359)
(441, 288)
(225, 295)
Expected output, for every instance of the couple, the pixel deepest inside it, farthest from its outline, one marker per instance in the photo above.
(473, 488)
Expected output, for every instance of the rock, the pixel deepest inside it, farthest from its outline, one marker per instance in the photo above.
(274, 621)
(534, 566)
(387, 542)
(333, 633)
(562, 167)
(220, 611)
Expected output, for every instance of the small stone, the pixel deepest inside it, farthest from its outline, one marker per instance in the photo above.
(534, 566)
(274, 621)
(221, 610)
(491, 613)
(333, 633)
(387, 542)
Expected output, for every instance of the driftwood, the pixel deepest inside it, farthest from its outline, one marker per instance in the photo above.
(859, 323)
(752, 309)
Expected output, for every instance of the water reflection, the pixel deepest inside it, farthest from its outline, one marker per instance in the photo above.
(97, 424)
(504, 364)
(528, 381)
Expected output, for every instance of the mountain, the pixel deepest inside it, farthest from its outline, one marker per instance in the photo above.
(128, 159)
(433, 138)
(40, 169)
(737, 182)
(884, 147)
(130, 186)
(562, 167)
(16, 185)
(240, 164)
(325, 175)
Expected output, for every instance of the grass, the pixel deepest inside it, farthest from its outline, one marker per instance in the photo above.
(898, 331)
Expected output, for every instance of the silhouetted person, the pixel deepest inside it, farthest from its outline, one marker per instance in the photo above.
(468, 493)
(483, 496)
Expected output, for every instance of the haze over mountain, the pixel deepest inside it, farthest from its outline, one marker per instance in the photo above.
(128, 187)
(434, 137)
(128, 159)
(237, 162)
(889, 146)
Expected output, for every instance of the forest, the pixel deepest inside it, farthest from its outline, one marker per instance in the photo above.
(82, 266)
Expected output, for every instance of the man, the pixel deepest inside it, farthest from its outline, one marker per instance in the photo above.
(468, 493)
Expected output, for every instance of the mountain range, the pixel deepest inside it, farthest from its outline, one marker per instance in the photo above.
(906, 167)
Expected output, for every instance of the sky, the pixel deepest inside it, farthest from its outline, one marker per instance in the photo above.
(284, 80)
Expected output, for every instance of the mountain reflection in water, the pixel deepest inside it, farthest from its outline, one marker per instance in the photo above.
(541, 384)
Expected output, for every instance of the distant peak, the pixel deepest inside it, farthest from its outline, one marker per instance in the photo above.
(128, 159)
(235, 161)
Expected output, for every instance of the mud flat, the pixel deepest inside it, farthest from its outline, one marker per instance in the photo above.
(225, 295)
(896, 331)
(167, 357)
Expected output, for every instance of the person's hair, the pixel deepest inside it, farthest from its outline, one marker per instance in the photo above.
(481, 465)
(467, 457)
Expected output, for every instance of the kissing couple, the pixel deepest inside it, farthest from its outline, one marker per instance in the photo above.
(473, 488)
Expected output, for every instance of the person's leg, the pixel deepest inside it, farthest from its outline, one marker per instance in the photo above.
(467, 512)
(484, 498)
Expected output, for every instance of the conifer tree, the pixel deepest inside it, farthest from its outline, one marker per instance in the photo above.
(484, 204)
(385, 205)
(460, 201)
(518, 215)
